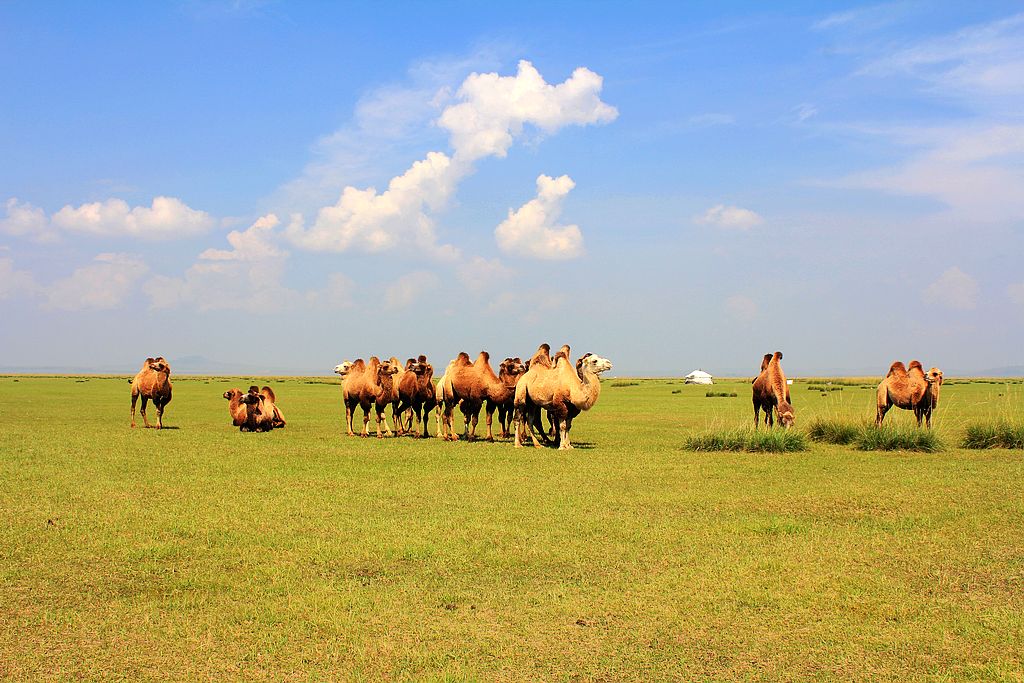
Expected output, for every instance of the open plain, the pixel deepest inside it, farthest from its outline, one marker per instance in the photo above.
(302, 554)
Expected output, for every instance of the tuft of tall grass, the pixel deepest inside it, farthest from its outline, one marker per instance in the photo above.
(823, 387)
(760, 441)
(624, 384)
(720, 394)
(891, 437)
(1000, 434)
(833, 431)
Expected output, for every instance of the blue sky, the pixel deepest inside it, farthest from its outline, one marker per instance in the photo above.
(285, 185)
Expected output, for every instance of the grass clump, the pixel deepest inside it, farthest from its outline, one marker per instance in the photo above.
(993, 435)
(624, 384)
(721, 394)
(897, 438)
(766, 441)
(833, 431)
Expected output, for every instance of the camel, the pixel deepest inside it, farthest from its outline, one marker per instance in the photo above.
(469, 385)
(417, 394)
(153, 381)
(564, 391)
(909, 388)
(244, 409)
(442, 397)
(509, 372)
(269, 414)
(361, 386)
(771, 392)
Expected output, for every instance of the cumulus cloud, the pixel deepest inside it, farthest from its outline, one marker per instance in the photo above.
(247, 277)
(14, 282)
(106, 283)
(494, 109)
(24, 220)
(166, 218)
(954, 289)
(741, 307)
(532, 230)
(730, 217)
(407, 290)
(489, 113)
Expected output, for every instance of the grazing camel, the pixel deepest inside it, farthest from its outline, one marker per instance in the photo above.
(472, 384)
(771, 392)
(417, 393)
(360, 386)
(244, 409)
(909, 388)
(509, 372)
(153, 381)
(564, 391)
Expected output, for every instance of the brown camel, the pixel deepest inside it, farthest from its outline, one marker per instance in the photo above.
(269, 397)
(909, 388)
(509, 372)
(268, 416)
(360, 386)
(564, 391)
(417, 393)
(153, 381)
(771, 392)
(244, 409)
(472, 384)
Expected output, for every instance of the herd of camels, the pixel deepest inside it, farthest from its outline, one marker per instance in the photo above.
(520, 392)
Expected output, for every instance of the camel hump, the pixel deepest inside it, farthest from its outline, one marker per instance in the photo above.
(777, 356)
(542, 357)
(268, 393)
(421, 358)
(565, 349)
(915, 364)
(765, 361)
(484, 357)
(358, 364)
(897, 369)
(462, 359)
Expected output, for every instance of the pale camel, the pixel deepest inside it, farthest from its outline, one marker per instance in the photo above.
(360, 386)
(909, 388)
(153, 381)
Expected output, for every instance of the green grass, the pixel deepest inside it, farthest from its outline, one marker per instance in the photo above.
(720, 394)
(833, 431)
(889, 437)
(760, 441)
(993, 435)
(200, 552)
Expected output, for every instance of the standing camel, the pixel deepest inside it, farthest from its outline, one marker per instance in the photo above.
(909, 388)
(771, 392)
(153, 381)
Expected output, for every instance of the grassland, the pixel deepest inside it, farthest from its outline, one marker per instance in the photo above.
(200, 552)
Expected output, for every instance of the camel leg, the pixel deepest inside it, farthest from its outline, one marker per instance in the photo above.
(883, 408)
(563, 430)
(769, 416)
(349, 412)
(520, 423)
(474, 418)
(135, 397)
(159, 414)
(366, 419)
(757, 416)
(489, 414)
(142, 409)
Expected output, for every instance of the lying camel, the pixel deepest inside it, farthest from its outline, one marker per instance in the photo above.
(244, 409)
(564, 391)
(153, 381)
(269, 415)
(771, 392)
(909, 388)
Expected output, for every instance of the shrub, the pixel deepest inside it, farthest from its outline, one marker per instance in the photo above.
(897, 438)
(823, 387)
(833, 431)
(624, 384)
(677, 391)
(1001, 434)
(763, 441)
(722, 394)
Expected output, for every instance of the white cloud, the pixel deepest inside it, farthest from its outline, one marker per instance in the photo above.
(166, 218)
(490, 112)
(408, 289)
(954, 289)
(14, 282)
(730, 217)
(741, 307)
(1016, 293)
(482, 273)
(495, 108)
(24, 220)
(105, 284)
(805, 111)
(247, 277)
(533, 231)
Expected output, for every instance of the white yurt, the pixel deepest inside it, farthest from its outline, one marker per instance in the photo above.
(698, 377)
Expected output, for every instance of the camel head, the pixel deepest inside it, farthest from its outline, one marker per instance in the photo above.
(512, 366)
(158, 364)
(343, 367)
(934, 376)
(595, 364)
(232, 393)
(787, 418)
(387, 367)
(417, 365)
